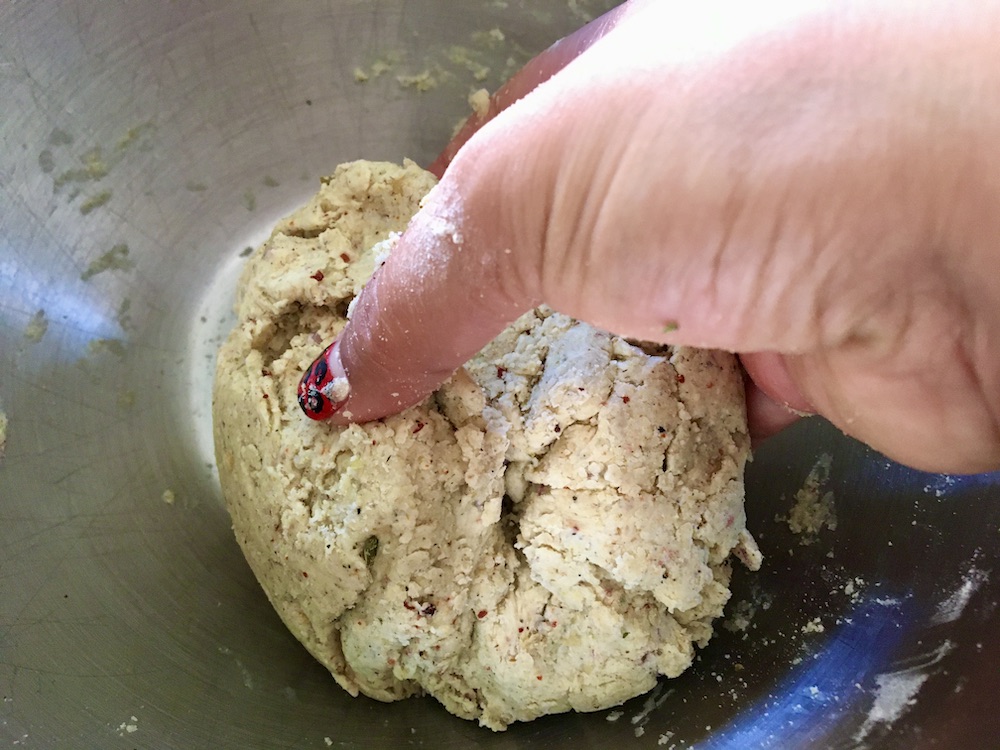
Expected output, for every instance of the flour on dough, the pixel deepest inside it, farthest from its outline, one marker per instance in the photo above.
(550, 531)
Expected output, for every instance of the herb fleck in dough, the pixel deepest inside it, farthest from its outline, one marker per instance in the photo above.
(550, 531)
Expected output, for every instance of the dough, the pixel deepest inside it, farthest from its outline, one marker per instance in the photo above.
(549, 531)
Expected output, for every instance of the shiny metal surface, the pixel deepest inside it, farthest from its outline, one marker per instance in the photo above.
(181, 130)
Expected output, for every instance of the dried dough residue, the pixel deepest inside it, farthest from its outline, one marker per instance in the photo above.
(36, 327)
(814, 508)
(115, 259)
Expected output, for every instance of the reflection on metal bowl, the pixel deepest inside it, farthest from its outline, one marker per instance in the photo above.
(144, 146)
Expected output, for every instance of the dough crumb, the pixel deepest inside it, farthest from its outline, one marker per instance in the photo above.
(3, 433)
(854, 588)
(479, 101)
(128, 727)
(814, 626)
(168, 497)
(336, 390)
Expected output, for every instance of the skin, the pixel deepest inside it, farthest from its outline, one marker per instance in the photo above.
(813, 185)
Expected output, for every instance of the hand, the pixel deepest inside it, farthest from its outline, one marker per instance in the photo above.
(813, 185)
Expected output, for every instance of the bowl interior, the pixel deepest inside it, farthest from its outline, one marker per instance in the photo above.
(144, 148)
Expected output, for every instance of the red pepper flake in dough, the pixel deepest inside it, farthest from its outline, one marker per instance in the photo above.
(418, 427)
(481, 614)
(680, 377)
(501, 371)
(345, 257)
(538, 677)
(304, 574)
(318, 276)
(625, 399)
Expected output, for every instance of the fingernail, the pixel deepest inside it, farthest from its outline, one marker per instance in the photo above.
(324, 389)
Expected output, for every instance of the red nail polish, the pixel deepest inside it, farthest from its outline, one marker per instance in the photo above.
(324, 389)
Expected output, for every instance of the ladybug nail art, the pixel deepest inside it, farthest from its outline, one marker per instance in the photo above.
(322, 390)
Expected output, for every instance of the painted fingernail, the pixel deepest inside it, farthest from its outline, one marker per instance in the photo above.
(324, 389)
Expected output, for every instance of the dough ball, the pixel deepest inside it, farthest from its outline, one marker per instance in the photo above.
(550, 531)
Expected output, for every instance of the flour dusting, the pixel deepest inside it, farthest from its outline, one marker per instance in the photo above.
(653, 701)
(896, 692)
(952, 607)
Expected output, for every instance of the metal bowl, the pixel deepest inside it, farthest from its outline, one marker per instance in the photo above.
(144, 146)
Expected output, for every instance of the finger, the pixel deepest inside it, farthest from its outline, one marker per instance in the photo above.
(440, 296)
(679, 200)
(506, 223)
(465, 267)
(536, 71)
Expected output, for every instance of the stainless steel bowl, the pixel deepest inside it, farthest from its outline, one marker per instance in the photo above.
(144, 146)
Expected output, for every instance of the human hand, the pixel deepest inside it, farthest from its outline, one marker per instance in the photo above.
(810, 184)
